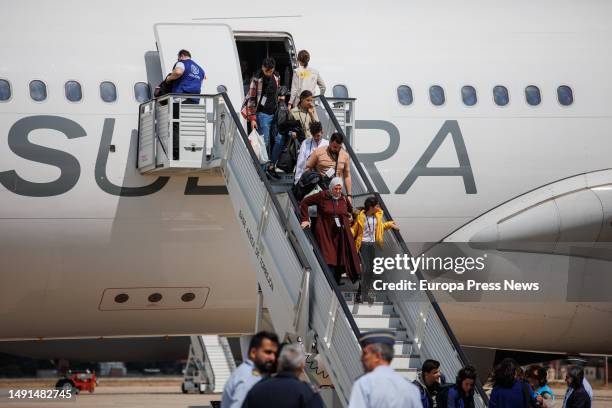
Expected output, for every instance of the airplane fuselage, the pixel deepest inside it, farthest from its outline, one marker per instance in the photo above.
(78, 220)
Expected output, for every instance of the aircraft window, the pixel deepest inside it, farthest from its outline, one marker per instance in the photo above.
(565, 95)
(5, 90)
(404, 95)
(73, 91)
(500, 95)
(468, 94)
(38, 90)
(532, 94)
(142, 92)
(436, 95)
(340, 91)
(108, 91)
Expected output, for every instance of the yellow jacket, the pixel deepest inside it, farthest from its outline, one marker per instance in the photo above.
(359, 226)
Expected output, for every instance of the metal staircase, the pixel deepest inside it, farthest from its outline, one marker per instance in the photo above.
(221, 362)
(209, 365)
(301, 295)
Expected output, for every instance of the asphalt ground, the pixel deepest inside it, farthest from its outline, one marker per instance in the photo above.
(157, 392)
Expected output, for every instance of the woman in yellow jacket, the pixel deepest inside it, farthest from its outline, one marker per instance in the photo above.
(368, 231)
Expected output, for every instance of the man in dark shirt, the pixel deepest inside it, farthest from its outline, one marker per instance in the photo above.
(285, 390)
(428, 382)
(262, 99)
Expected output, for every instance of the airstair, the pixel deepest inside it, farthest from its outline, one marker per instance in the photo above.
(304, 301)
(209, 365)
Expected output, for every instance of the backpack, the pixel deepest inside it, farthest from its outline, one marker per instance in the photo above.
(288, 157)
(307, 183)
(290, 125)
(442, 396)
(281, 114)
(163, 88)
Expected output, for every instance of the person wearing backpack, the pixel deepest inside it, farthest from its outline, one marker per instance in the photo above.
(332, 161)
(428, 383)
(304, 112)
(460, 394)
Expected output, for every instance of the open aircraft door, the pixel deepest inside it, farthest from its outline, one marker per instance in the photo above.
(212, 46)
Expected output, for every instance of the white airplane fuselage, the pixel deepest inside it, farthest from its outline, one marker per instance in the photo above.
(69, 233)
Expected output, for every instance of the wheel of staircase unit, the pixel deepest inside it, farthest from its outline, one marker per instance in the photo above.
(65, 384)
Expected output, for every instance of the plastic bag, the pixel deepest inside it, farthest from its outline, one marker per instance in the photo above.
(258, 145)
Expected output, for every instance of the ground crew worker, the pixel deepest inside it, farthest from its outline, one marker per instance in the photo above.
(285, 390)
(186, 76)
(261, 362)
(381, 386)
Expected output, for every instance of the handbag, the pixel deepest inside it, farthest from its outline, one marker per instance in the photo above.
(258, 145)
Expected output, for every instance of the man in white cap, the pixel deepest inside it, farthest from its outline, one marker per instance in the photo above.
(381, 386)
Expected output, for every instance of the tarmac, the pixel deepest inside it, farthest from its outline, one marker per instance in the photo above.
(157, 392)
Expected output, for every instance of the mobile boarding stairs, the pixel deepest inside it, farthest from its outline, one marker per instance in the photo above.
(209, 365)
(304, 301)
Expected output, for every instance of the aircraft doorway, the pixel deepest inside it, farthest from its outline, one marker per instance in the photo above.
(254, 47)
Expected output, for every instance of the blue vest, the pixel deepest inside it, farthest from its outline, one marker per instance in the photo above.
(191, 80)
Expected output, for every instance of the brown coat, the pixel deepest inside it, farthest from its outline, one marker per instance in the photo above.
(337, 244)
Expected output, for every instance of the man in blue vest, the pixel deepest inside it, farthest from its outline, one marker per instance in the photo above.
(186, 76)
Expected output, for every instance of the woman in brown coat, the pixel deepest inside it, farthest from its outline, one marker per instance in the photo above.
(333, 230)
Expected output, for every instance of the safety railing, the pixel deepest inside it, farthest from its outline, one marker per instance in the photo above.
(208, 368)
(419, 311)
(177, 133)
(286, 258)
(343, 110)
(227, 351)
(281, 263)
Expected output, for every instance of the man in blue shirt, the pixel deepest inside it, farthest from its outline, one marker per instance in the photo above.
(381, 386)
(186, 76)
(261, 362)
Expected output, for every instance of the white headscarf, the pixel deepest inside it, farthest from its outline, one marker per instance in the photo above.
(334, 182)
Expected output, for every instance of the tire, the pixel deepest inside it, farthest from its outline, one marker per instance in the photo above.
(65, 384)
(183, 388)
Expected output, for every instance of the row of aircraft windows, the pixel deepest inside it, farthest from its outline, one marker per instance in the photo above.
(142, 93)
(74, 92)
(533, 96)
